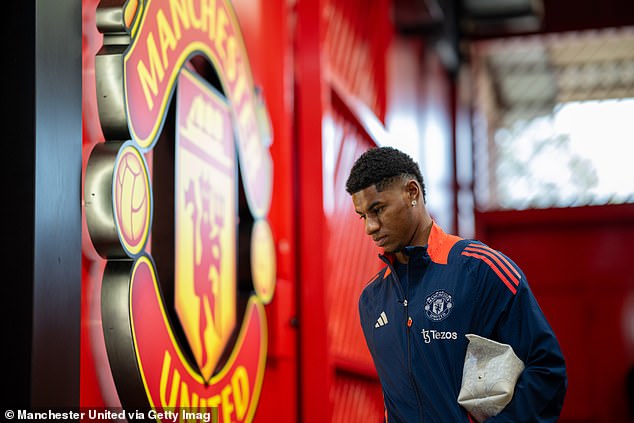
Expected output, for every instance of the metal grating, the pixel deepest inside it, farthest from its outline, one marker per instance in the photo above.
(530, 75)
(523, 89)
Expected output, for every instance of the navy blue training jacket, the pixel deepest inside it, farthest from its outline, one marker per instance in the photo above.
(417, 338)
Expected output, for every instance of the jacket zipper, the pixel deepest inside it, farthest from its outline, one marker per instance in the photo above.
(408, 326)
(409, 354)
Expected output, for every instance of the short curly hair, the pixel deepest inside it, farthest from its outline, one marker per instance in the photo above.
(381, 166)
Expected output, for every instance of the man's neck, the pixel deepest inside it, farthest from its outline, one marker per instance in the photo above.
(418, 239)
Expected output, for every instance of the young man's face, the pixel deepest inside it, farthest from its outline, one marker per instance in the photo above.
(387, 215)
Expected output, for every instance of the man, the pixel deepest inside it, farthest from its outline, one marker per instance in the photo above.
(435, 289)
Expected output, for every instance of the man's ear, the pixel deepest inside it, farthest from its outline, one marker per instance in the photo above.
(413, 189)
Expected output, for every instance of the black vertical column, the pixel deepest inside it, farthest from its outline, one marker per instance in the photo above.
(42, 132)
(18, 182)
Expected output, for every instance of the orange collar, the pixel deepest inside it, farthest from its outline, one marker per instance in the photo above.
(438, 245)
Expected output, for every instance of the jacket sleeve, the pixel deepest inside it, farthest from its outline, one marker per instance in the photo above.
(517, 319)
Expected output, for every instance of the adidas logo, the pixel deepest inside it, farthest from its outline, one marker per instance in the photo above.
(381, 321)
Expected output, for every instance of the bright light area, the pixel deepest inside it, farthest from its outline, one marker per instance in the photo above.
(581, 155)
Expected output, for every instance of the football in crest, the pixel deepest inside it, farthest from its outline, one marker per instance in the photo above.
(132, 196)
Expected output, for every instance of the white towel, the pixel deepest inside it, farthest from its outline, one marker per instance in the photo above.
(490, 372)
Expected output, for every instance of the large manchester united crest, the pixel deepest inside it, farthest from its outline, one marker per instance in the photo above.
(176, 201)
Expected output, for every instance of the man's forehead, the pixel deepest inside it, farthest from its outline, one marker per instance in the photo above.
(366, 192)
(370, 195)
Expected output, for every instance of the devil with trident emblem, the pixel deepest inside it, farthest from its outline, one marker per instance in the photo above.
(207, 254)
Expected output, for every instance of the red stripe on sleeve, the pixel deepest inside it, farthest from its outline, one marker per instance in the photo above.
(502, 277)
(496, 257)
(497, 253)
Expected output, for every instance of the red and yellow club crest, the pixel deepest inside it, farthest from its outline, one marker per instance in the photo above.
(206, 210)
(214, 358)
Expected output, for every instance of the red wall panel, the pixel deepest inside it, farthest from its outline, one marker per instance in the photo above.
(578, 263)
(356, 400)
(352, 260)
(352, 257)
